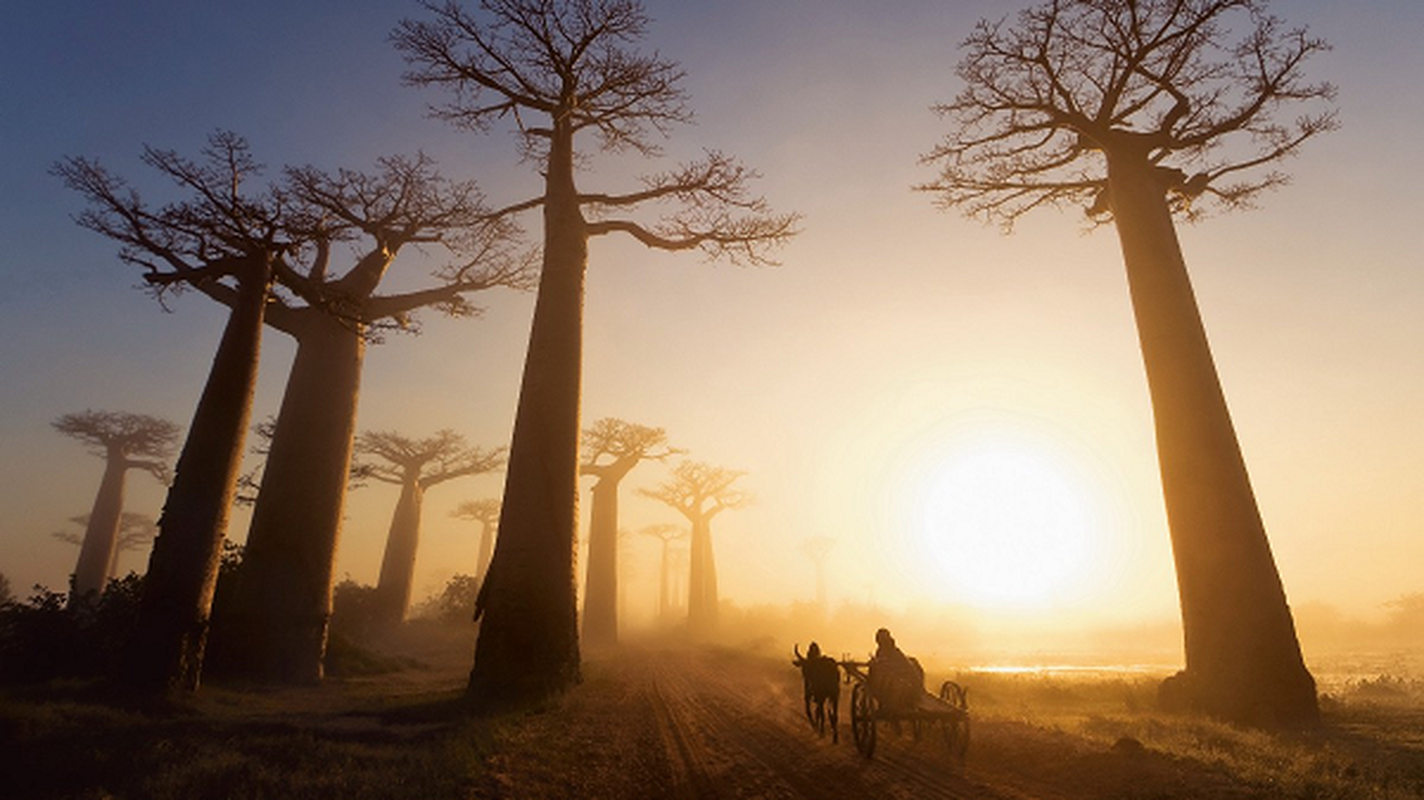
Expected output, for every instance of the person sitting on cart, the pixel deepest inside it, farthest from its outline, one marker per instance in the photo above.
(896, 680)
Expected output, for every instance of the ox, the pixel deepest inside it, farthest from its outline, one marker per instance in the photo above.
(821, 678)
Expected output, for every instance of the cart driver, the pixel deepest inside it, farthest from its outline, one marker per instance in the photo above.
(885, 649)
(896, 680)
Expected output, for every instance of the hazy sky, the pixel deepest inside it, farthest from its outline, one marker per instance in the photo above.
(899, 355)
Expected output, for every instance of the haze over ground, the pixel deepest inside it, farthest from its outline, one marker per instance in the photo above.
(898, 354)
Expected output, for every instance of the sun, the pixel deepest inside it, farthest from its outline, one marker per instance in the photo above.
(1005, 524)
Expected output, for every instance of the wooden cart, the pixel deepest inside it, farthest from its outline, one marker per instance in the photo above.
(914, 707)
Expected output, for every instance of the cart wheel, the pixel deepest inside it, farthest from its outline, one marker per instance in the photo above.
(862, 719)
(956, 727)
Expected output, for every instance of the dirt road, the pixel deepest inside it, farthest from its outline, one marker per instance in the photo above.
(711, 724)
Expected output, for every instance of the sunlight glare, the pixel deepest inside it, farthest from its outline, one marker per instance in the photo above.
(1004, 525)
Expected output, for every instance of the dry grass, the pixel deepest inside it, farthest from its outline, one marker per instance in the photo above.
(1371, 744)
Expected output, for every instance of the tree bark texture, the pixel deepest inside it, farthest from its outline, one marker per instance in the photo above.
(486, 550)
(528, 643)
(600, 597)
(392, 598)
(702, 579)
(1243, 660)
(171, 633)
(101, 536)
(282, 598)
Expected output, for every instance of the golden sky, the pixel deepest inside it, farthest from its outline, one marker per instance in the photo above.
(897, 354)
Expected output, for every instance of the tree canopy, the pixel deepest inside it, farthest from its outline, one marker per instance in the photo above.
(1199, 88)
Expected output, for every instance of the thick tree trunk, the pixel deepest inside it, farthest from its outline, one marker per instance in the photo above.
(1243, 660)
(101, 535)
(528, 643)
(600, 597)
(663, 588)
(171, 633)
(276, 628)
(392, 599)
(486, 550)
(702, 580)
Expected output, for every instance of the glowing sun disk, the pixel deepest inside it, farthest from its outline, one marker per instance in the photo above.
(1004, 525)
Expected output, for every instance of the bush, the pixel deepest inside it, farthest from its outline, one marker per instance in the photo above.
(454, 605)
(48, 637)
(354, 612)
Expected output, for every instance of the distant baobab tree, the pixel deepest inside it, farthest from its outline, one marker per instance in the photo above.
(485, 512)
(281, 598)
(666, 534)
(611, 449)
(557, 69)
(125, 441)
(136, 531)
(227, 239)
(415, 465)
(700, 492)
(816, 549)
(1142, 112)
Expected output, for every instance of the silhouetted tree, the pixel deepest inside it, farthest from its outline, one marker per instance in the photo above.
(282, 597)
(611, 449)
(700, 492)
(415, 465)
(816, 549)
(125, 441)
(227, 241)
(666, 534)
(1143, 111)
(558, 69)
(485, 512)
(5, 593)
(136, 531)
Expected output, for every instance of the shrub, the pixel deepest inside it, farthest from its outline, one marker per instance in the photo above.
(48, 637)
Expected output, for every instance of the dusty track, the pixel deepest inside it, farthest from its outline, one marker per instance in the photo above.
(683, 723)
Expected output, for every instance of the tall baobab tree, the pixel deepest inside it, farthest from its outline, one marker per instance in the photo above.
(816, 549)
(276, 625)
(227, 239)
(1146, 111)
(415, 465)
(611, 449)
(485, 512)
(125, 441)
(559, 69)
(135, 532)
(700, 492)
(665, 533)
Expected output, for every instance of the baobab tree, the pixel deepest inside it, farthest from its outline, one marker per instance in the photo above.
(415, 465)
(816, 549)
(485, 512)
(1146, 111)
(700, 492)
(135, 532)
(125, 441)
(611, 449)
(228, 240)
(281, 600)
(665, 533)
(560, 69)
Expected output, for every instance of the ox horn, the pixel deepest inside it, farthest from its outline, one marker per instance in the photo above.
(796, 648)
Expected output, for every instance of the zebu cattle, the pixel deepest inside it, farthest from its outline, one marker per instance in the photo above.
(821, 679)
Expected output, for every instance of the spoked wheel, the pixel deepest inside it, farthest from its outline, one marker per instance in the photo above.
(862, 719)
(956, 726)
